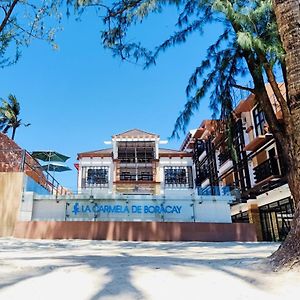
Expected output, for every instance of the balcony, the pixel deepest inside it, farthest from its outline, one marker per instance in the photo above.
(133, 177)
(223, 157)
(258, 142)
(201, 176)
(199, 148)
(134, 160)
(266, 169)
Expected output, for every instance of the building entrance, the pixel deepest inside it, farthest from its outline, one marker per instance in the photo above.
(276, 219)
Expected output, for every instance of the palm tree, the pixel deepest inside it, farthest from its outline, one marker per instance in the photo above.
(9, 115)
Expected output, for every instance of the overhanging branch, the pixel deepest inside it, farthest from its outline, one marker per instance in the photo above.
(240, 87)
(8, 14)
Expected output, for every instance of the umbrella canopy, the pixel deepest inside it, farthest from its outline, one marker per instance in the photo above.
(55, 167)
(49, 155)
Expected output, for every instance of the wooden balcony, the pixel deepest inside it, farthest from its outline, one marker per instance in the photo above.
(258, 142)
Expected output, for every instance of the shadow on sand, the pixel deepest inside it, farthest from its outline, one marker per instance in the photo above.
(131, 255)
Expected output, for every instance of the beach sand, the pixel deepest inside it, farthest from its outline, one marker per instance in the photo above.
(82, 269)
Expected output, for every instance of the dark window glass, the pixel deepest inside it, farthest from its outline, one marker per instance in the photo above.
(240, 218)
(276, 219)
(136, 152)
(178, 177)
(94, 177)
(259, 120)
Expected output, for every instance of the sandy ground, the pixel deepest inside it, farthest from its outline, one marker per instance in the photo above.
(41, 269)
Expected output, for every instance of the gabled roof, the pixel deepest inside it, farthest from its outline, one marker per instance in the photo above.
(96, 153)
(171, 152)
(135, 133)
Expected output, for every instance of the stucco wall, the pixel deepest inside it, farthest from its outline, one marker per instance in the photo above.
(136, 231)
(11, 186)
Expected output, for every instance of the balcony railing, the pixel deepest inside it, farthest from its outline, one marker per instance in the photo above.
(133, 160)
(266, 169)
(199, 148)
(217, 190)
(133, 177)
(223, 157)
(201, 176)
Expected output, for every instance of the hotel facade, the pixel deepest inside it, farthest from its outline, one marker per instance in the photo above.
(134, 190)
(250, 166)
(136, 165)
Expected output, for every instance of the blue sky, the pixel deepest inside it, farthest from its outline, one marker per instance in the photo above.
(76, 97)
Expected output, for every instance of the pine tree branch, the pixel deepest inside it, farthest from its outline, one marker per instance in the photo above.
(244, 88)
(8, 14)
(274, 86)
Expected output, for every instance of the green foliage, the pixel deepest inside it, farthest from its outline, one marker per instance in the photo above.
(24, 20)
(9, 115)
(250, 31)
(249, 26)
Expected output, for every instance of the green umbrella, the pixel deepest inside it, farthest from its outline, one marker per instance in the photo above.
(53, 167)
(49, 155)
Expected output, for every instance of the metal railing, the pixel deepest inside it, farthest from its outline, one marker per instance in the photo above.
(133, 177)
(223, 157)
(201, 176)
(20, 160)
(218, 191)
(199, 148)
(266, 169)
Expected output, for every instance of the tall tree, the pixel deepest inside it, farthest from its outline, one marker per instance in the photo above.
(249, 44)
(9, 115)
(21, 21)
(288, 19)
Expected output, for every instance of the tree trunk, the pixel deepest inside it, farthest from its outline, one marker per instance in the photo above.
(288, 19)
(13, 133)
(289, 252)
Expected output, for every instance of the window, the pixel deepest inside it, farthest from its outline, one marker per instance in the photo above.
(94, 177)
(242, 217)
(259, 120)
(136, 152)
(178, 177)
(276, 219)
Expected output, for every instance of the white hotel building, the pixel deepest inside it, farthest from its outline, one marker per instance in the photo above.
(136, 165)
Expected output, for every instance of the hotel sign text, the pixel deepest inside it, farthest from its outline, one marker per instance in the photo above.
(80, 208)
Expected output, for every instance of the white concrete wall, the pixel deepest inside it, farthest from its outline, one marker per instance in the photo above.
(247, 117)
(96, 162)
(26, 207)
(213, 210)
(251, 171)
(49, 209)
(263, 199)
(274, 195)
(225, 167)
(175, 162)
